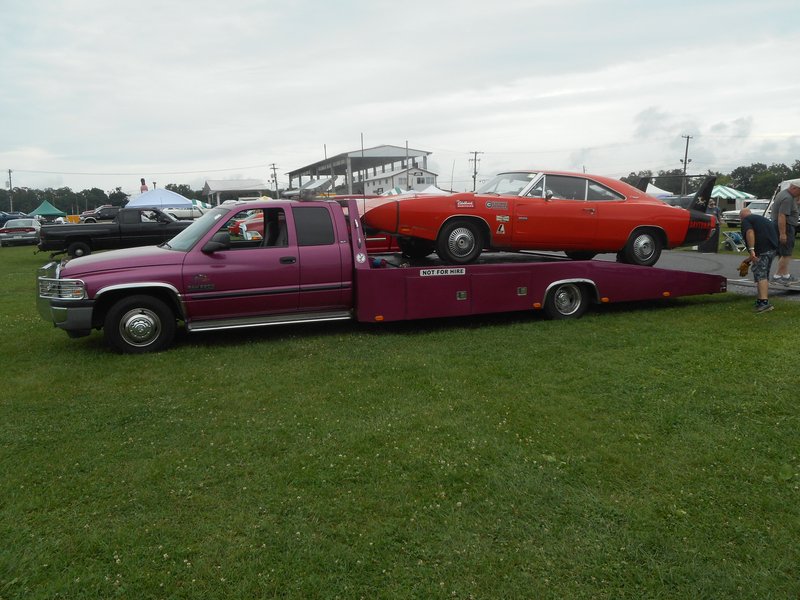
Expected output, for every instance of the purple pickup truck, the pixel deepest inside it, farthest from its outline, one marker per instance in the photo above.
(309, 263)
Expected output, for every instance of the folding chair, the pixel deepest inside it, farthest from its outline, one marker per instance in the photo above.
(733, 241)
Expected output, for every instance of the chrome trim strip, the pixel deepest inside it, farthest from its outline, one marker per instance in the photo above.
(261, 321)
(137, 286)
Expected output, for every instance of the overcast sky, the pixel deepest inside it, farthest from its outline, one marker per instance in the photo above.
(97, 93)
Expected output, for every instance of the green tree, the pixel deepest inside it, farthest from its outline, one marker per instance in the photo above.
(634, 178)
(185, 191)
(90, 199)
(118, 197)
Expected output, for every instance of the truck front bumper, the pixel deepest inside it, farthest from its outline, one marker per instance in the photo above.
(75, 320)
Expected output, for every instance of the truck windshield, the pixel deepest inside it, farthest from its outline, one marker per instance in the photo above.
(186, 239)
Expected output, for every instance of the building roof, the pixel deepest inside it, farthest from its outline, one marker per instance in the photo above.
(359, 160)
(396, 172)
(213, 186)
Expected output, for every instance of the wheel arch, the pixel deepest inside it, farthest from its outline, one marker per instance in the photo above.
(657, 230)
(486, 231)
(589, 284)
(106, 297)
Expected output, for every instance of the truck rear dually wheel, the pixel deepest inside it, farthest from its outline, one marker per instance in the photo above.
(139, 324)
(76, 249)
(566, 301)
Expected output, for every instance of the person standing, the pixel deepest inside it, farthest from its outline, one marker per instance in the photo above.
(143, 187)
(784, 215)
(762, 242)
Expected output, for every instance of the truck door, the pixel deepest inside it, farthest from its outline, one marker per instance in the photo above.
(258, 275)
(323, 283)
(143, 227)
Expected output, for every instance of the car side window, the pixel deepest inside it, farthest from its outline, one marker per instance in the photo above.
(314, 226)
(599, 192)
(565, 188)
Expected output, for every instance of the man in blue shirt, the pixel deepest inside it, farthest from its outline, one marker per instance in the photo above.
(762, 242)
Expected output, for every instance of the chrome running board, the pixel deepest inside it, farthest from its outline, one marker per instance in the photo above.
(261, 321)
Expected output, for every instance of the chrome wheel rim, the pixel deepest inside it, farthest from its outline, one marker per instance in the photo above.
(461, 242)
(643, 247)
(567, 299)
(140, 327)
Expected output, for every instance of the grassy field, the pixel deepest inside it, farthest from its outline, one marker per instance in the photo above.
(645, 451)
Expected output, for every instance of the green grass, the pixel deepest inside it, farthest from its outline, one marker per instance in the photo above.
(645, 451)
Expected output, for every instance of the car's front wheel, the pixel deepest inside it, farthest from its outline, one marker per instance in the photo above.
(139, 324)
(459, 242)
(643, 248)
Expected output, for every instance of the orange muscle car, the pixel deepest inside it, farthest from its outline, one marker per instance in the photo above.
(580, 214)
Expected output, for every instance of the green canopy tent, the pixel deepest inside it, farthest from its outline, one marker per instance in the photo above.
(45, 209)
(729, 198)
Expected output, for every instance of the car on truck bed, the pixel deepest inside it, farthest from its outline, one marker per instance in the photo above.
(311, 265)
(132, 227)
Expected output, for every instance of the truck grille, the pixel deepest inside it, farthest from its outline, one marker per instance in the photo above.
(64, 289)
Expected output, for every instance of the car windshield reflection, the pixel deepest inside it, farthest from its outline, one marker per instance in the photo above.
(508, 184)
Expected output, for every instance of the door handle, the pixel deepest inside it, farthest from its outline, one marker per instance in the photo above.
(288, 260)
(591, 211)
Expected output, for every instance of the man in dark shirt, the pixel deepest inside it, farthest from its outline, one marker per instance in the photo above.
(762, 242)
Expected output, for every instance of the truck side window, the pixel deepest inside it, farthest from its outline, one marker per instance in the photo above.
(314, 226)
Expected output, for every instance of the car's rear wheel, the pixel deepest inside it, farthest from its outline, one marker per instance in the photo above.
(459, 242)
(139, 324)
(415, 248)
(76, 249)
(643, 248)
(566, 301)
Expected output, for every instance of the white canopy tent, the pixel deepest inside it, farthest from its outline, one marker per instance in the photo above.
(657, 192)
(159, 198)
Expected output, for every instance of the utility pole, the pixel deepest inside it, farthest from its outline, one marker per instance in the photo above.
(10, 194)
(475, 160)
(686, 160)
(275, 178)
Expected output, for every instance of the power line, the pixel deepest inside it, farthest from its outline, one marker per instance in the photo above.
(137, 172)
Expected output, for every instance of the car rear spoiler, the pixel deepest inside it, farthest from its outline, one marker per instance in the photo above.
(701, 196)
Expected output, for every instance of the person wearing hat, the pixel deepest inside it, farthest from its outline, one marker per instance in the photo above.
(762, 241)
(784, 215)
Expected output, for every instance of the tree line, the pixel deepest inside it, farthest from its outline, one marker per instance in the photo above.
(757, 179)
(27, 199)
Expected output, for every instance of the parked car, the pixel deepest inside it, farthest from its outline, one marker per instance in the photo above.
(7, 216)
(20, 231)
(731, 217)
(104, 213)
(577, 213)
(192, 212)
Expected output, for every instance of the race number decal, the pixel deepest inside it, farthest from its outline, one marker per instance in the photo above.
(501, 229)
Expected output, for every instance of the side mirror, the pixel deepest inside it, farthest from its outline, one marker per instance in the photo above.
(548, 195)
(220, 241)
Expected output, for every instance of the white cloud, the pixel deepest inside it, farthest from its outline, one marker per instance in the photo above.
(158, 88)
